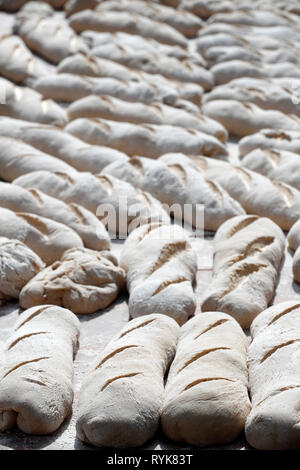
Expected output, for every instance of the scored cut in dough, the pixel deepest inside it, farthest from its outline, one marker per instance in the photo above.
(161, 267)
(18, 264)
(274, 139)
(121, 397)
(36, 385)
(82, 280)
(274, 379)
(206, 398)
(247, 255)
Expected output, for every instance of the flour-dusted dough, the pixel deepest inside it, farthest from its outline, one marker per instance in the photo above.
(273, 139)
(243, 118)
(17, 63)
(127, 207)
(82, 280)
(274, 381)
(73, 6)
(247, 255)
(85, 223)
(25, 103)
(13, 5)
(121, 397)
(113, 21)
(278, 165)
(294, 244)
(206, 398)
(178, 183)
(148, 140)
(18, 158)
(185, 22)
(108, 107)
(36, 30)
(161, 266)
(18, 264)
(45, 237)
(71, 151)
(204, 9)
(36, 385)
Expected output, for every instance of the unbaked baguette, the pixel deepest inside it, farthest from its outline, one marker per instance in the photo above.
(247, 255)
(113, 21)
(36, 386)
(17, 63)
(279, 165)
(36, 30)
(205, 9)
(147, 140)
(220, 54)
(117, 203)
(177, 183)
(13, 5)
(121, 397)
(85, 223)
(206, 398)
(82, 280)
(25, 103)
(243, 118)
(73, 6)
(274, 379)
(155, 63)
(71, 151)
(161, 266)
(18, 265)
(45, 237)
(293, 239)
(185, 22)
(18, 158)
(255, 17)
(108, 107)
(271, 139)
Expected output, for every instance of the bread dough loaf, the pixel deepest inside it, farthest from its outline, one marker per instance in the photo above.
(25, 103)
(85, 223)
(147, 140)
(206, 398)
(161, 267)
(177, 183)
(274, 379)
(117, 204)
(271, 139)
(247, 255)
(113, 21)
(83, 281)
(121, 397)
(108, 107)
(18, 265)
(36, 385)
(56, 142)
(45, 237)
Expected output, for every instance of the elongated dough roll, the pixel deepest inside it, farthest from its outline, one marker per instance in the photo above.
(247, 255)
(18, 265)
(241, 119)
(108, 107)
(85, 223)
(185, 22)
(220, 54)
(113, 21)
(161, 267)
(274, 379)
(17, 63)
(147, 140)
(117, 204)
(121, 398)
(278, 165)
(13, 5)
(36, 30)
(206, 398)
(205, 9)
(36, 386)
(24, 103)
(155, 63)
(18, 158)
(45, 237)
(73, 6)
(53, 141)
(293, 239)
(177, 183)
(83, 281)
(271, 139)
